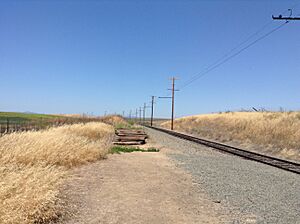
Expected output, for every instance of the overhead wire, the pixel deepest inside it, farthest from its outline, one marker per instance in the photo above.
(227, 56)
(200, 75)
(235, 48)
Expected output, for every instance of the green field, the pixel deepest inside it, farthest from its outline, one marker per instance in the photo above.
(15, 117)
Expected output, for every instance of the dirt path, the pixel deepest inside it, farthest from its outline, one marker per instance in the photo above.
(137, 188)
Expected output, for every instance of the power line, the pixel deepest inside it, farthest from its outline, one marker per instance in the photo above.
(237, 46)
(200, 75)
(210, 67)
(226, 57)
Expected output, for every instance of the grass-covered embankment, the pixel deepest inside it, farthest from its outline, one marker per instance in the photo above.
(275, 133)
(34, 165)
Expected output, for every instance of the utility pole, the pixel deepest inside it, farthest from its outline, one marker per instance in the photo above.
(173, 101)
(140, 114)
(173, 89)
(152, 110)
(144, 112)
(136, 114)
(130, 115)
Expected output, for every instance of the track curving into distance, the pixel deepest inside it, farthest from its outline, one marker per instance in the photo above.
(272, 161)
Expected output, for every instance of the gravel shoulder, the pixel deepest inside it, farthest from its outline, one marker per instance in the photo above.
(138, 188)
(249, 192)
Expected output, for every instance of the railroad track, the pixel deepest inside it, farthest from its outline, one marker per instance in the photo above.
(272, 161)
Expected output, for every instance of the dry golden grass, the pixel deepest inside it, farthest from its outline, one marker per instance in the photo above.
(29, 194)
(114, 120)
(35, 164)
(277, 133)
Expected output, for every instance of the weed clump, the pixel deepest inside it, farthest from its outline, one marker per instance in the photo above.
(122, 149)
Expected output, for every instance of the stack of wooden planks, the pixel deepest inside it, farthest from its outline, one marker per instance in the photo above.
(130, 137)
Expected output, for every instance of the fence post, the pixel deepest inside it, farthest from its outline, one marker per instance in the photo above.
(7, 125)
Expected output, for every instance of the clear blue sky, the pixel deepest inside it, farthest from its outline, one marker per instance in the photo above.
(96, 56)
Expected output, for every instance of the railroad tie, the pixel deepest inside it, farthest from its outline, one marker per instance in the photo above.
(130, 137)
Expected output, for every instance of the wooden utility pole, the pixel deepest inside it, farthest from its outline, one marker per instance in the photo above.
(140, 114)
(144, 113)
(173, 96)
(136, 114)
(152, 110)
(173, 101)
(130, 115)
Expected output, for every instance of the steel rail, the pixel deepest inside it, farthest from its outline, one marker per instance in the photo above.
(272, 161)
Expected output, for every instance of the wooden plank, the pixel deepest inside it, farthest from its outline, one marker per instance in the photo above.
(128, 143)
(129, 138)
(130, 133)
(121, 134)
(130, 130)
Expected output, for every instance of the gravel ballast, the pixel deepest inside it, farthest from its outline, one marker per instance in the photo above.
(250, 192)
